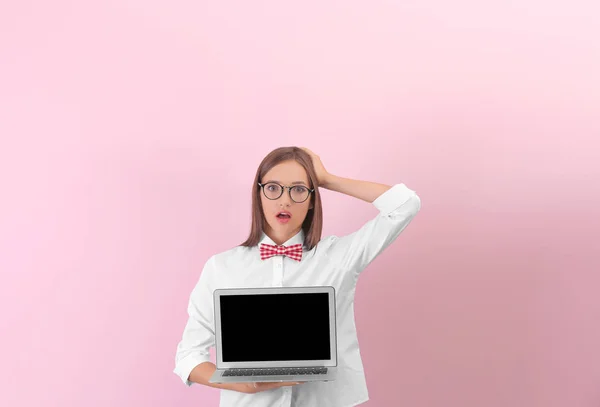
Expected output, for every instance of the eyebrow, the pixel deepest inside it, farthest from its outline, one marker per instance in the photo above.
(279, 182)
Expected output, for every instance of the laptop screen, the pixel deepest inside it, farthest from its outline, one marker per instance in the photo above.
(275, 327)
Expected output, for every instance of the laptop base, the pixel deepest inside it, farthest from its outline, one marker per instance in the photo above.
(218, 377)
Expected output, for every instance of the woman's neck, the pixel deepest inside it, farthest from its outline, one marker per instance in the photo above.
(280, 238)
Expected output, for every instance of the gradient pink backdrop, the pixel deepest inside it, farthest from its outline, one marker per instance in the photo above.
(131, 131)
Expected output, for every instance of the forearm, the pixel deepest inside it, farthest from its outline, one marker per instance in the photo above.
(203, 372)
(365, 190)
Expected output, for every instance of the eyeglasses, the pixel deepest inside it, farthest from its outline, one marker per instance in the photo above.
(298, 193)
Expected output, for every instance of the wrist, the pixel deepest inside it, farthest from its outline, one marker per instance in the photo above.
(327, 181)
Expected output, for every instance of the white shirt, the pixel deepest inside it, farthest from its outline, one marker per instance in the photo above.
(335, 261)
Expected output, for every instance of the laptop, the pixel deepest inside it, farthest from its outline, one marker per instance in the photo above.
(275, 334)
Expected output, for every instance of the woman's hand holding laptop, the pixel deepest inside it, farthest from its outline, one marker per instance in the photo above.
(255, 387)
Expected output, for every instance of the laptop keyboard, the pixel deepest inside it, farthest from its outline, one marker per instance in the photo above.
(276, 371)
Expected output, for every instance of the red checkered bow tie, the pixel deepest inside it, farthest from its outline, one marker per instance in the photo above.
(293, 251)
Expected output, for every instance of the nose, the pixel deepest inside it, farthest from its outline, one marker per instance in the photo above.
(285, 198)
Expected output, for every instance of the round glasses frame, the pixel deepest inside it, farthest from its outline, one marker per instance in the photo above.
(310, 191)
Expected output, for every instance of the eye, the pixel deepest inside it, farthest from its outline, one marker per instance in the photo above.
(299, 189)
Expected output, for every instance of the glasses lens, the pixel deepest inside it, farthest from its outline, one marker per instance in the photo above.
(272, 191)
(299, 194)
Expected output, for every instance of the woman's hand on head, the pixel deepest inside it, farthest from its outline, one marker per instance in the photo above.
(322, 174)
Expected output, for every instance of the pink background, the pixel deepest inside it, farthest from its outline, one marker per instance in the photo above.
(131, 131)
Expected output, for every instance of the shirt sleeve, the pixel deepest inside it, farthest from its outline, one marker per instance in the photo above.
(397, 207)
(198, 335)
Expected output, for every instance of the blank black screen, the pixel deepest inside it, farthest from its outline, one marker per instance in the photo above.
(275, 327)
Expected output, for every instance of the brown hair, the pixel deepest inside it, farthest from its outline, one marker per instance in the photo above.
(313, 222)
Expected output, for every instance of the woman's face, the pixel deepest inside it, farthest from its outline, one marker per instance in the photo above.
(288, 173)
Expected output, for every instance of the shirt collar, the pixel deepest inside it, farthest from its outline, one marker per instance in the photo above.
(297, 238)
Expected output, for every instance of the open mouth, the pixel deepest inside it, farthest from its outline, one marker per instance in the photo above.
(284, 216)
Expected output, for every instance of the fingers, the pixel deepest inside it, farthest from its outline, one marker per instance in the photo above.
(289, 383)
(260, 386)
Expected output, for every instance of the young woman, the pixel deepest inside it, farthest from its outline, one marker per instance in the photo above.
(286, 210)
